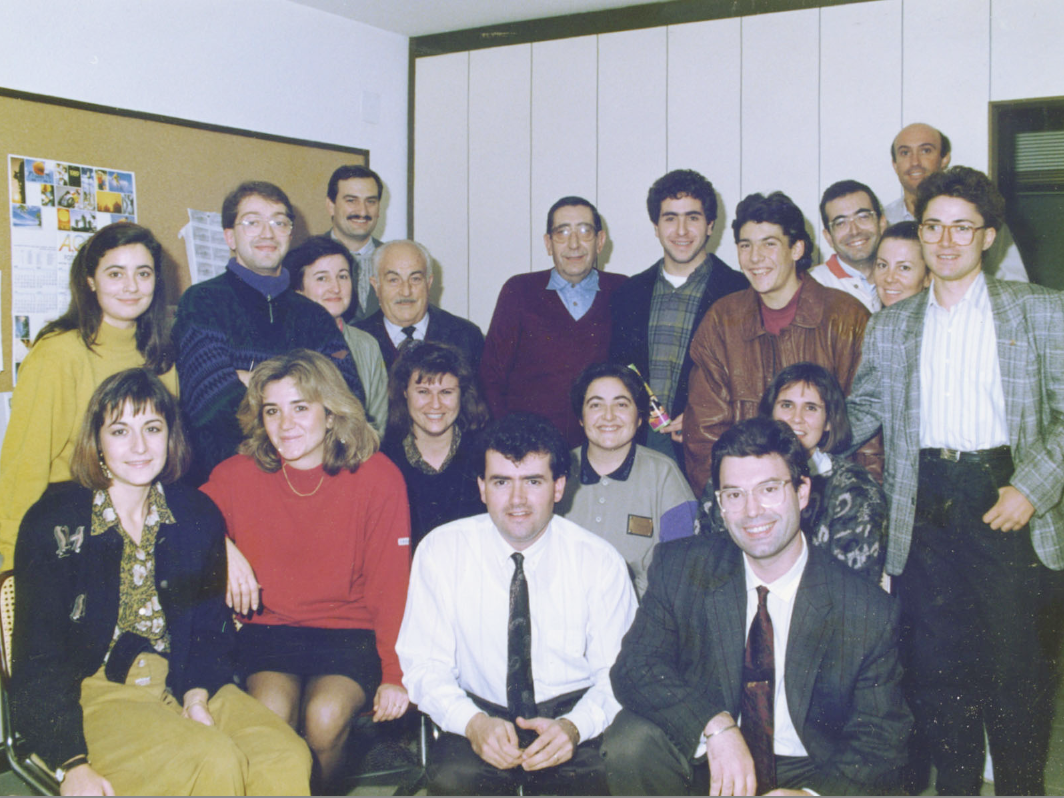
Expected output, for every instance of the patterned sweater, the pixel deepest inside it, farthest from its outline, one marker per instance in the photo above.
(223, 325)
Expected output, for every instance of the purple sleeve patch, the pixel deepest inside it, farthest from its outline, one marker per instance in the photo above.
(679, 522)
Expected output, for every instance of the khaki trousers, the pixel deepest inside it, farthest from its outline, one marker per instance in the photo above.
(138, 739)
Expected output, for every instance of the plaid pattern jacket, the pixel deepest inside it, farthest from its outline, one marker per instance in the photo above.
(1029, 321)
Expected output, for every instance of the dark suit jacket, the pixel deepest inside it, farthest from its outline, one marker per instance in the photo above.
(681, 662)
(630, 316)
(443, 327)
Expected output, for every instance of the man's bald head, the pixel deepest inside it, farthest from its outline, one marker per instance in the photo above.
(917, 151)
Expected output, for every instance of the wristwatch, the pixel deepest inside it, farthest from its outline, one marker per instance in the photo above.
(69, 765)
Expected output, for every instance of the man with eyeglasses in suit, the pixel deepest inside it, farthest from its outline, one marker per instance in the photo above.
(757, 653)
(966, 380)
(226, 325)
(549, 325)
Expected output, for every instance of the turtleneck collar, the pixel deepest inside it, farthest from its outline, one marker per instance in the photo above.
(269, 287)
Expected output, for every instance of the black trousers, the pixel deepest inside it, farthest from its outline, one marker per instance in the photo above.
(454, 768)
(970, 641)
(641, 760)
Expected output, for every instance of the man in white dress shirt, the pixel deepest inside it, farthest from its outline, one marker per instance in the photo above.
(966, 380)
(758, 653)
(516, 712)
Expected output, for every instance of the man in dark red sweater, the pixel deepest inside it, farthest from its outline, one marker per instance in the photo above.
(549, 325)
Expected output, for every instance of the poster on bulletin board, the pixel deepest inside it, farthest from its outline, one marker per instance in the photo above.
(55, 208)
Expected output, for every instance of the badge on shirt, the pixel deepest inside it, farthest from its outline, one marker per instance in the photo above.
(640, 526)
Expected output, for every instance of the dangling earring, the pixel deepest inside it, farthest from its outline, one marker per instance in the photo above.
(103, 465)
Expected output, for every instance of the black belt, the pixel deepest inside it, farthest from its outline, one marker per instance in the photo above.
(978, 456)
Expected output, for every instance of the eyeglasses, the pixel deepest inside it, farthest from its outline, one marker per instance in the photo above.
(767, 494)
(960, 234)
(254, 225)
(863, 219)
(585, 232)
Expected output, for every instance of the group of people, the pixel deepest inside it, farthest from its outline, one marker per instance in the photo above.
(794, 522)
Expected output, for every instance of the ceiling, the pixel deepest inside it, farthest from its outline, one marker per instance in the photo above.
(426, 17)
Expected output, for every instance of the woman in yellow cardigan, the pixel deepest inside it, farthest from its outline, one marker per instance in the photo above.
(116, 320)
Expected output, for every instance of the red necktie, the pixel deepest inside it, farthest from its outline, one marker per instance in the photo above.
(759, 686)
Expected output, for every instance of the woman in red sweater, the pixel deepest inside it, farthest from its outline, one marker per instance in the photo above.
(319, 527)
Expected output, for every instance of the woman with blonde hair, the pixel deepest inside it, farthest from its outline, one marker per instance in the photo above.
(116, 320)
(123, 646)
(318, 524)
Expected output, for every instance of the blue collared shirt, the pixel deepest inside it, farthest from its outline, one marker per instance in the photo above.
(576, 298)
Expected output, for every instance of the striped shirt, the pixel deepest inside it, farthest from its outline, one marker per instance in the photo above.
(962, 404)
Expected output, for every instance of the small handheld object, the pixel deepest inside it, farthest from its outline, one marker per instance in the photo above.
(659, 416)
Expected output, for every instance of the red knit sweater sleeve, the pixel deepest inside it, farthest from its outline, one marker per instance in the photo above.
(387, 560)
(500, 348)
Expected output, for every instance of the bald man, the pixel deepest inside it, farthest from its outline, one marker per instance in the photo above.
(920, 150)
(402, 277)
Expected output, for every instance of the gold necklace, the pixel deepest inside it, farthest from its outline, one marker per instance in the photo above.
(296, 492)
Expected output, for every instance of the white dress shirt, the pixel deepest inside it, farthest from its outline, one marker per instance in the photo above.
(453, 638)
(395, 332)
(780, 601)
(962, 403)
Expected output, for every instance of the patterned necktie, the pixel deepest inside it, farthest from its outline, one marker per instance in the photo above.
(759, 685)
(520, 694)
(409, 333)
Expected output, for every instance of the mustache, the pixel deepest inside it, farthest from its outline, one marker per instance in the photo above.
(354, 217)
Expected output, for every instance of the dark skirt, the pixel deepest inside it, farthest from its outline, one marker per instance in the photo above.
(308, 651)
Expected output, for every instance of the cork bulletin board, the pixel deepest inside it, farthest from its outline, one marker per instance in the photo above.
(178, 165)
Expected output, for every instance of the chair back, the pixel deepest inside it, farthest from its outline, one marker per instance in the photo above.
(7, 622)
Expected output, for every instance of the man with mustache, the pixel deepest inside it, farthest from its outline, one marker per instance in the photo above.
(920, 150)
(550, 325)
(513, 620)
(353, 200)
(401, 278)
(248, 314)
(853, 224)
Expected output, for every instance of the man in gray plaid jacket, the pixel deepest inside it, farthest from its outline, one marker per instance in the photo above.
(966, 380)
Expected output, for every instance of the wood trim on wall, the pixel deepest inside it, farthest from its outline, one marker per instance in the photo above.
(635, 17)
(63, 102)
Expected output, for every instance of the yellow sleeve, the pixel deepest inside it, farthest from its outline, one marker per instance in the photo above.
(44, 420)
